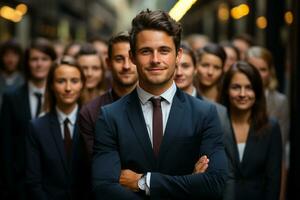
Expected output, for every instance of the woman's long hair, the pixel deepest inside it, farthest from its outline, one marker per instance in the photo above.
(258, 111)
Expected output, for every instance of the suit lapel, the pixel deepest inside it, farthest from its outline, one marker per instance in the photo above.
(231, 147)
(174, 122)
(250, 146)
(136, 118)
(57, 135)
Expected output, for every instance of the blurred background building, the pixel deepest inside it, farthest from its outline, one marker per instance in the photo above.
(273, 24)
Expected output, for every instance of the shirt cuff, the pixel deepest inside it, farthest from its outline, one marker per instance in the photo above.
(144, 183)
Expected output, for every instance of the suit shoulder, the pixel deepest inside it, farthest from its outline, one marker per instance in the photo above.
(198, 104)
(278, 97)
(116, 106)
(41, 122)
(15, 96)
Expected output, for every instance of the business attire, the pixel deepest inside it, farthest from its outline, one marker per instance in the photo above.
(256, 167)
(221, 110)
(19, 107)
(88, 116)
(278, 107)
(54, 155)
(6, 83)
(124, 140)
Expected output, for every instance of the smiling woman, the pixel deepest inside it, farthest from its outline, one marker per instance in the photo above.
(254, 146)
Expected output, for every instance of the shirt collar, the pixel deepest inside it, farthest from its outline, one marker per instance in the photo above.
(33, 88)
(62, 116)
(194, 92)
(167, 95)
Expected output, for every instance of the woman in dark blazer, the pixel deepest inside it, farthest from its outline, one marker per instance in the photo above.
(254, 148)
(53, 149)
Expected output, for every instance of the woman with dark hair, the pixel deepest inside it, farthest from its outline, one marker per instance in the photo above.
(11, 57)
(53, 148)
(93, 67)
(254, 148)
(20, 105)
(210, 64)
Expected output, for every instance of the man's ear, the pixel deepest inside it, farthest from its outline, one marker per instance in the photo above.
(132, 58)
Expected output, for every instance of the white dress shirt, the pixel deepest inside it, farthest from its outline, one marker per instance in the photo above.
(72, 118)
(32, 98)
(147, 108)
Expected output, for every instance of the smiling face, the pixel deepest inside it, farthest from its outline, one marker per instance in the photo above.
(155, 58)
(185, 73)
(67, 86)
(209, 70)
(123, 70)
(241, 93)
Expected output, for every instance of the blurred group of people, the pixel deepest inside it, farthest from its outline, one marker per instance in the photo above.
(50, 100)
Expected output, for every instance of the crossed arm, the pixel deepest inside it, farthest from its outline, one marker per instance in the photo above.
(129, 178)
(110, 182)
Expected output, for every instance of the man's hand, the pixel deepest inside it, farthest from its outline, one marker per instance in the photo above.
(201, 165)
(129, 179)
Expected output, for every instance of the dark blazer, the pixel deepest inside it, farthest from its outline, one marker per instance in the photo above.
(19, 80)
(88, 116)
(222, 113)
(258, 175)
(278, 107)
(48, 173)
(14, 117)
(122, 142)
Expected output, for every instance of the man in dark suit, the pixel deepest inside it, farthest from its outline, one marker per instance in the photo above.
(20, 105)
(124, 79)
(148, 143)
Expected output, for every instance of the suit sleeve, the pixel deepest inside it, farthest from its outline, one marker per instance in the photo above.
(6, 120)
(33, 166)
(106, 165)
(209, 184)
(273, 166)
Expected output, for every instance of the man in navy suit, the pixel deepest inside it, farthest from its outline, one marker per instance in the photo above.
(147, 144)
(20, 105)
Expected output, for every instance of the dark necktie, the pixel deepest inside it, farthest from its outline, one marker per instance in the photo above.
(38, 96)
(67, 139)
(157, 124)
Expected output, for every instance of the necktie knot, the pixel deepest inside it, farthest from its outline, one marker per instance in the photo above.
(67, 121)
(38, 95)
(156, 101)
